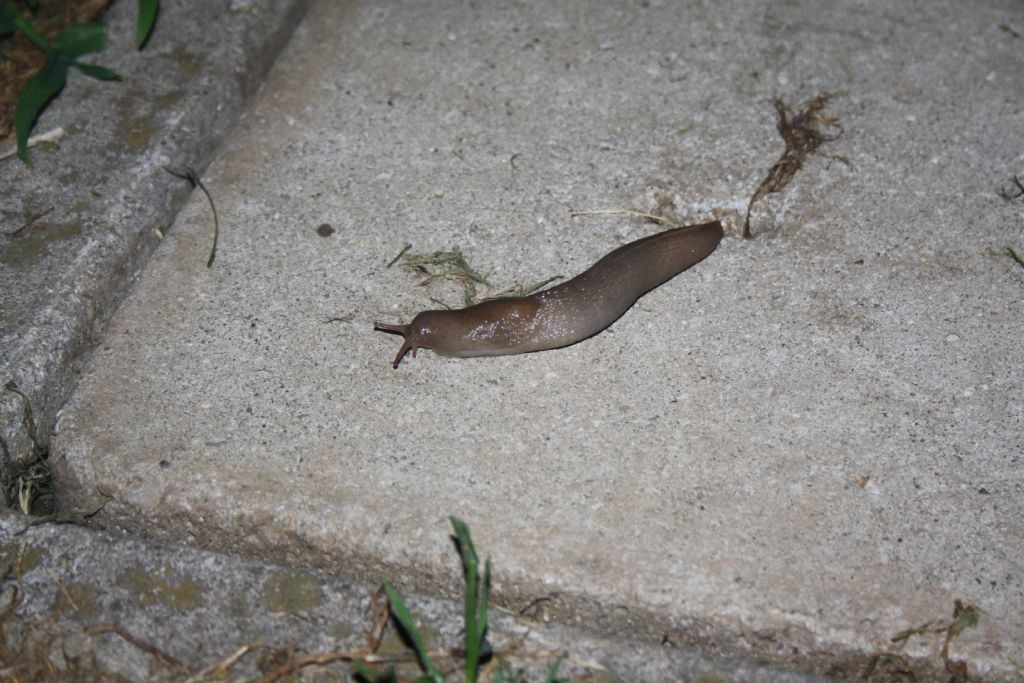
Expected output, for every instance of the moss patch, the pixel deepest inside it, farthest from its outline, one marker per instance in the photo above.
(291, 592)
(161, 586)
(78, 599)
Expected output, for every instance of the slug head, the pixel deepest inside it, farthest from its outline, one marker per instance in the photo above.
(422, 333)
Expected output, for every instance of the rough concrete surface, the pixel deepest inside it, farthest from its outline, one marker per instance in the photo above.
(792, 452)
(201, 607)
(76, 228)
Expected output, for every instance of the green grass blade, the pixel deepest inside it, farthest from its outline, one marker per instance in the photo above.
(30, 32)
(80, 39)
(38, 91)
(407, 623)
(553, 671)
(473, 627)
(97, 71)
(485, 590)
(148, 10)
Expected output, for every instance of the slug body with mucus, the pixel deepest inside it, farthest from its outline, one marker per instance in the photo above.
(563, 314)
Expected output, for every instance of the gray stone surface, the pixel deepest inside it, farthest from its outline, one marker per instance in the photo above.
(102, 192)
(200, 607)
(804, 445)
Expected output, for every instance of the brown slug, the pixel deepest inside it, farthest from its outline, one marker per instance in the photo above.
(563, 314)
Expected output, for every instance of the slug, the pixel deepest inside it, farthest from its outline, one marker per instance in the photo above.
(563, 314)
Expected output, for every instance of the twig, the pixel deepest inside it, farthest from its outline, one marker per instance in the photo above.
(435, 300)
(1015, 257)
(407, 247)
(51, 136)
(80, 517)
(63, 589)
(30, 222)
(380, 611)
(218, 670)
(964, 617)
(536, 602)
(1005, 194)
(293, 664)
(187, 173)
(660, 220)
(102, 629)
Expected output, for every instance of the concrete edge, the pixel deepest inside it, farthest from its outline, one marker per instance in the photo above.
(45, 363)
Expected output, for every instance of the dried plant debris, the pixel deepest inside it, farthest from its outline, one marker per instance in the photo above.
(452, 266)
(1015, 192)
(660, 218)
(189, 174)
(31, 223)
(803, 134)
(964, 617)
(524, 290)
(1015, 256)
(888, 666)
(27, 484)
(444, 265)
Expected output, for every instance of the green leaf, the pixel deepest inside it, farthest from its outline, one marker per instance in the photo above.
(148, 10)
(964, 617)
(408, 624)
(80, 39)
(40, 89)
(30, 32)
(97, 71)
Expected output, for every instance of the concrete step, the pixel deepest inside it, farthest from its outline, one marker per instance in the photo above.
(802, 447)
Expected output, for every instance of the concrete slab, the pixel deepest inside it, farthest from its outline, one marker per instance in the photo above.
(803, 446)
(76, 228)
(201, 607)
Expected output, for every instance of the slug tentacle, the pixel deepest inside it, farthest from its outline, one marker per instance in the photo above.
(563, 314)
(407, 345)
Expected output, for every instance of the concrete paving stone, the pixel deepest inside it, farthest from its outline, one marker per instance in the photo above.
(76, 228)
(200, 607)
(804, 445)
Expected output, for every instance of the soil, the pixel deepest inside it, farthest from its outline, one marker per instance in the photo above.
(20, 59)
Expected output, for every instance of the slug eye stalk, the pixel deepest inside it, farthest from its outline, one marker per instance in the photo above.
(403, 330)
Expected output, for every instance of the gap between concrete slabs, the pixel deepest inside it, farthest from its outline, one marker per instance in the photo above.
(102, 194)
(200, 606)
(801, 447)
